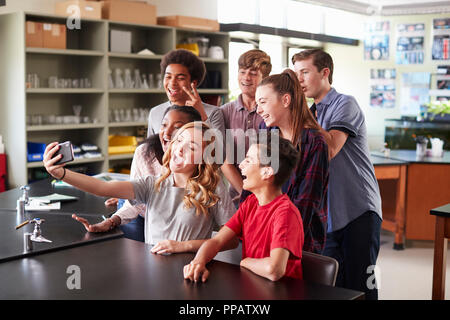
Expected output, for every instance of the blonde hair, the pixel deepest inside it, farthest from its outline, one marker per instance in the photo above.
(201, 186)
(256, 59)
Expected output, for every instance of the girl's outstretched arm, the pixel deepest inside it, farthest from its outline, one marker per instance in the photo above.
(117, 189)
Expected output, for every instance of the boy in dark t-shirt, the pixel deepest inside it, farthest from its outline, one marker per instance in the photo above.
(268, 223)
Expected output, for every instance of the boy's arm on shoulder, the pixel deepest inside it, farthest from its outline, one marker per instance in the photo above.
(272, 268)
(335, 140)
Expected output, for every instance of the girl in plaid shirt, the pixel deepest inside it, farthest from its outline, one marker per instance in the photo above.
(282, 105)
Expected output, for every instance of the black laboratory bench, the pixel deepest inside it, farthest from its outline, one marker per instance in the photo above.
(87, 204)
(126, 269)
(110, 266)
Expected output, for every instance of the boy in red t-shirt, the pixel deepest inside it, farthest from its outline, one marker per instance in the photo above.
(268, 223)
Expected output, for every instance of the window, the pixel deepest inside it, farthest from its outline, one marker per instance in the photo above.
(235, 51)
(304, 17)
(238, 11)
(272, 13)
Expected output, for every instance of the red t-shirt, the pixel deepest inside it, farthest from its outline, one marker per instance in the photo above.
(277, 224)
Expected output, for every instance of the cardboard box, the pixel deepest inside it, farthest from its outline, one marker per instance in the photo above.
(87, 9)
(34, 34)
(189, 22)
(120, 41)
(54, 35)
(129, 11)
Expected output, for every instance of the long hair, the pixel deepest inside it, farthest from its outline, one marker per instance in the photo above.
(201, 186)
(153, 148)
(301, 116)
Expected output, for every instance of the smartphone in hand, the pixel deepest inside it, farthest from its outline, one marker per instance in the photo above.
(66, 150)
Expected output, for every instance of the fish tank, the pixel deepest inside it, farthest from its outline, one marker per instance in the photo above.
(402, 133)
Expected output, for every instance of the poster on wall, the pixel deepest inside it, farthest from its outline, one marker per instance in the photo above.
(376, 40)
(443, 81)
(415, 92)
(441, 39)
(382, 88)
(410, 43)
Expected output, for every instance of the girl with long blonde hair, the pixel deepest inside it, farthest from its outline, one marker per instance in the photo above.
(183, 205)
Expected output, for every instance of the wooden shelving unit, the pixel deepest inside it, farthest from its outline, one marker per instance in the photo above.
(87, 56)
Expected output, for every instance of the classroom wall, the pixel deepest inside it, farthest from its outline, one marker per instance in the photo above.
(352, 72)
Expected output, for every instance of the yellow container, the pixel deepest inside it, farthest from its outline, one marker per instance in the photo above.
(193, 47)
(121, 144)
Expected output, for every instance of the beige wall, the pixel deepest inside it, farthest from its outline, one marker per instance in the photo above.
(352, 72)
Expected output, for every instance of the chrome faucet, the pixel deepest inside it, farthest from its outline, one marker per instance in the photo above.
(22, 202)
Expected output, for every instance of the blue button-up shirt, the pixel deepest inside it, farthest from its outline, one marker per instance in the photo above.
(352, 188)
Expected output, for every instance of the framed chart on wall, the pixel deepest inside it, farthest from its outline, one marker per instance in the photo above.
(414, 92)
(376, 40)
(441, 39)
(382, 88)
(410, 43)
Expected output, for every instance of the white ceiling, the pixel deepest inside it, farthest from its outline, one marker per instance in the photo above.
(387, 7)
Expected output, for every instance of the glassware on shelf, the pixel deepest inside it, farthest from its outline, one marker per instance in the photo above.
(151, 81)
(159, 83)
(128, 82)
(116, 115)
(77, 109)
(87, 83)
(137, 79)
(135, 115)
(36, 120)
(128, 116)
(53, 82)
(75, 83)
(33, 81)
(144, 82)
(110, 80)
(118, 80)
(77, 113)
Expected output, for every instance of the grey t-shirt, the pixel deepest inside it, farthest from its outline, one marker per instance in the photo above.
(167, 218)
(215, 117)
(352, 187)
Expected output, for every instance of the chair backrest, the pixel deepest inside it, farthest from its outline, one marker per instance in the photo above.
(319, 269)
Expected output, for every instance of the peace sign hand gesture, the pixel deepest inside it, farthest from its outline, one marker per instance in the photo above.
(195, 100)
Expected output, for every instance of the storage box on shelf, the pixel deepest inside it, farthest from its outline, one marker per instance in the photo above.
(54, 36)
(129, 11)
(45, 113)
(85, 9)
(189, 22)
(34, 34)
